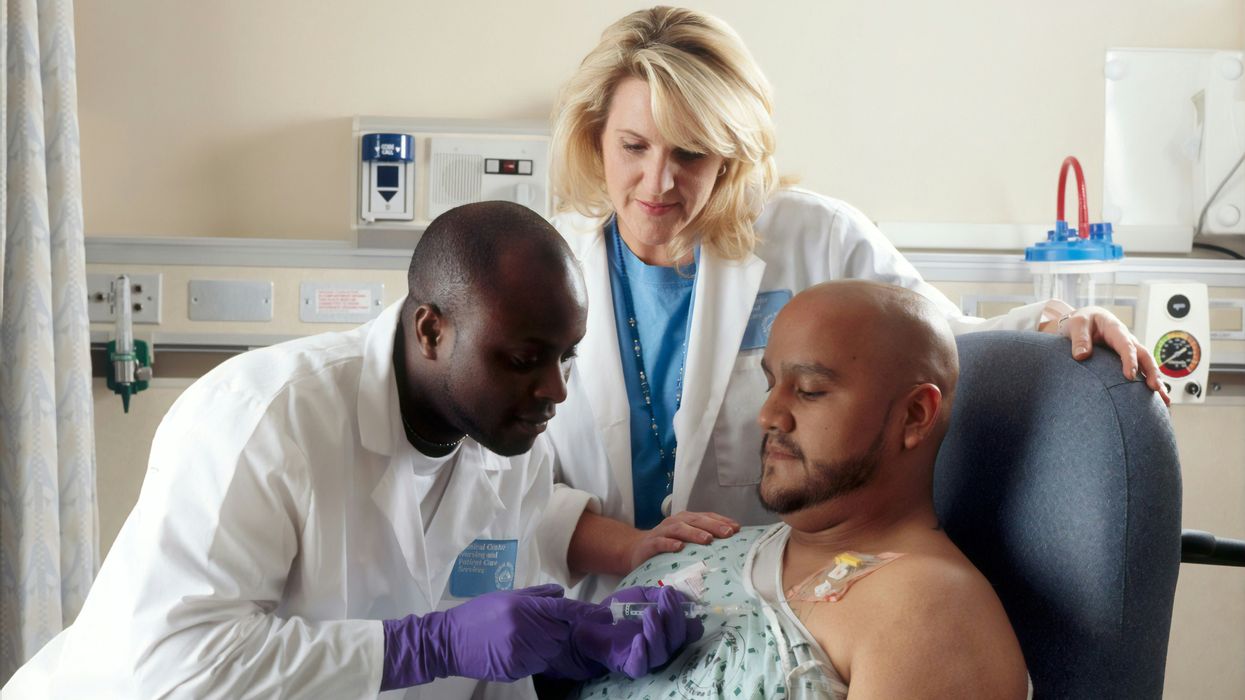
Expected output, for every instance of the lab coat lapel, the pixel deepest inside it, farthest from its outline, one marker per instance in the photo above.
(606, 391)
(471, 503)
(397, 496)
(725, 293)
(378, 390)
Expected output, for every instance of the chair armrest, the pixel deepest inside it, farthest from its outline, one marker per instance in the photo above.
(1197, 547)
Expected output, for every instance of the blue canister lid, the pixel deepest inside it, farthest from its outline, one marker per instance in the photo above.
(388, 147)
(1064, 245)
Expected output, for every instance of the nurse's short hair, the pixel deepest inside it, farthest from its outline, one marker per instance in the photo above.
(708, 96)
(458, 260)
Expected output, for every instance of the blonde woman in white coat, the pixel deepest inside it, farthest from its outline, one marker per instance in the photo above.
(663, 156)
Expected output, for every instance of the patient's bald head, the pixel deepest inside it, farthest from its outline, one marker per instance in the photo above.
(861, 375)
(902, 337)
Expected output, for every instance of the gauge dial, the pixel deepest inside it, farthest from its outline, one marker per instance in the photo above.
(1178, 354)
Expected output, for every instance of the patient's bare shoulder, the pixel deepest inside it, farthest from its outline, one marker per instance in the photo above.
(925, 625)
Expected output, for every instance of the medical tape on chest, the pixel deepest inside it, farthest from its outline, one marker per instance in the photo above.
(832, 582)
(690, 580)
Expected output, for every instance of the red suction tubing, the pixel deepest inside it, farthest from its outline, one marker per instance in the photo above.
(1082, 221)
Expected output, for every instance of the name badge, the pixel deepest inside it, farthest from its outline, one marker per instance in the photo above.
(764, 310)
(483, 567)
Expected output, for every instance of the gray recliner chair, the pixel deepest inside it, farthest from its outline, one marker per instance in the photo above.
(1060, 481)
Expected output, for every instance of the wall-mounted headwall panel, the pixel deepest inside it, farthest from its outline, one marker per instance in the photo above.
(455, 162)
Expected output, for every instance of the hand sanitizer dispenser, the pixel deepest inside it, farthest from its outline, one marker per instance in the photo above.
(387, 178)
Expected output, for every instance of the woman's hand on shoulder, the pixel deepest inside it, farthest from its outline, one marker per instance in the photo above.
(671, 533)
(1092, 325)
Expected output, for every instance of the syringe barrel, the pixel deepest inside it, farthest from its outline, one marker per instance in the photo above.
(634, 611)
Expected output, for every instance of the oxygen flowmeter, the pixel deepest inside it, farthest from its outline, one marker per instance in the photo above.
(130, 359)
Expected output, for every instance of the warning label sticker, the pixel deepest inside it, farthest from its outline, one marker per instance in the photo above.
(343, 301)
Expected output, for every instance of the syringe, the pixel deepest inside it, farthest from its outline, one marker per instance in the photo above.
(632, 611)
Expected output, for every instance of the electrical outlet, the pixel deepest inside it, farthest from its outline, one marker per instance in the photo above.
(144, 297)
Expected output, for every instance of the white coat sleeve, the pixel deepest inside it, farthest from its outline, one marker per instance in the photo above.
(535, 507)
(566, 506)
(188, 605)
(571, 438)
(865, 253)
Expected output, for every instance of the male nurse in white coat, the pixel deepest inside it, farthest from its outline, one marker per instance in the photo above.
(354, 513)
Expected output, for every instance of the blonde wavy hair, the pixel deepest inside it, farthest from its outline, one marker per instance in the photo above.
(708, 96)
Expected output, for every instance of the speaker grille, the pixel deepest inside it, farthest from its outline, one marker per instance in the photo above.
(456, 179)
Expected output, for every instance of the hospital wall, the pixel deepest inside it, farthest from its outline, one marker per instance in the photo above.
(233, 118)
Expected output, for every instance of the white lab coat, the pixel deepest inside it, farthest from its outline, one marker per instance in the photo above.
(278, 523)
(805, 239)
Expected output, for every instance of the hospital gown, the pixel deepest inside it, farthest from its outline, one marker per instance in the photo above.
(751, 655)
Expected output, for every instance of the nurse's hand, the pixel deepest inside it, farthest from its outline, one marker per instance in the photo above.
(671, 533)
(1094, 324)
(631, 647)
(637, 647)
(502, 636)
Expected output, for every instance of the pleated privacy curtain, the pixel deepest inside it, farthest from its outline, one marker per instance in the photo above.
(49, 541)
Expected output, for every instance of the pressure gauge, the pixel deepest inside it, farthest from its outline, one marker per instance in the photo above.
(1178, 354)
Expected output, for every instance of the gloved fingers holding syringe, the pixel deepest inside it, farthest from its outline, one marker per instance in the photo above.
(507, 635)
(646, 638)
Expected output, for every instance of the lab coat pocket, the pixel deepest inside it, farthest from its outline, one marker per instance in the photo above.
(736, 437)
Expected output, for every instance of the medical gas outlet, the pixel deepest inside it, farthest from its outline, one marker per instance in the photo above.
(387, 178)
(1173, 321)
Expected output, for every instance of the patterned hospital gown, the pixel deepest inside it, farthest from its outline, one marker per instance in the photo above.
(740, 656)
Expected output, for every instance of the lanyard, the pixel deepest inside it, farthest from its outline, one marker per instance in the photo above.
(666, 460)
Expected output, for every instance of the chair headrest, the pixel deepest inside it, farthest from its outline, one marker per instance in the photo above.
(1059, 480)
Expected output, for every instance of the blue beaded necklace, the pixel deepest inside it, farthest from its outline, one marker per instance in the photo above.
(666, 459)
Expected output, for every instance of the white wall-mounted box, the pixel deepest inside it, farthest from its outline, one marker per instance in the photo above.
(1175, 129)
(456, 161)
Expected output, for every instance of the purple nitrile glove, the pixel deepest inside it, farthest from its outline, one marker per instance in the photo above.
(500, 636)
(633, 647)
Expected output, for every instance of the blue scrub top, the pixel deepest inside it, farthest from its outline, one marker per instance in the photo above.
(663, 305)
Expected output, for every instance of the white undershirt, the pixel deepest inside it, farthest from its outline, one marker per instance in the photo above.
(432, 477)
(766, 577)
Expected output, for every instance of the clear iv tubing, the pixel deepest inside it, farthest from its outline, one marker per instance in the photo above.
(632, 611)
(1082, 221)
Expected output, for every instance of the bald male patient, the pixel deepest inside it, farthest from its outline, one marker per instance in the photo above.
(858, 587)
